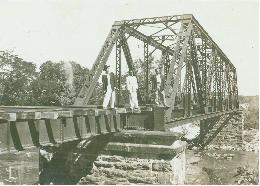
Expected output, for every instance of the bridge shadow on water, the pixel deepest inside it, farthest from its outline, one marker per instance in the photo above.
(67, 163)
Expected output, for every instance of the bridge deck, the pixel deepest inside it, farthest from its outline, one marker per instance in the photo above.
(24, 127)
(16, 113)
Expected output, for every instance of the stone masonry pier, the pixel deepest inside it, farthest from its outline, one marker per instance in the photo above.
(139, 157)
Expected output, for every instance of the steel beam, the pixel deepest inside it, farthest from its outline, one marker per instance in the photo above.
(147, 39)
(180, 63)
(196, 67)
(153, 20)
(173, 62)
(147, 69)
(128, 55)
(118, 71)
(197, 24)
(171, 98)
(87, 89)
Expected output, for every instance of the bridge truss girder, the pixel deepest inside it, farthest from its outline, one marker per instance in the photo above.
(197, 73)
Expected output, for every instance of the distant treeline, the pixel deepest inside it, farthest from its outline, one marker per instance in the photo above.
(55, 83)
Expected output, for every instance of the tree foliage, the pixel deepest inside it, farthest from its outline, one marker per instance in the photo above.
(17, 76)
(140, 67)
(56, 83)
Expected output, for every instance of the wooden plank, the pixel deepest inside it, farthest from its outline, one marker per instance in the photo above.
(117, 121)
(25, 134)
(4, 133)
(34, 131)
(112, 123)
(146, 109)
(53, 129)
(49, 115)
(7, 116)
(65, 113)
(82, 127)
(80, 112)
(8, 137)
(29, 107)
(92, 122)
(61, 132)
(28, 115)
(87, 124)
(77, 127)
(121, 110)
(43, 132)
(15, 136)
(99, 112)
(102, 124)
(70, 130)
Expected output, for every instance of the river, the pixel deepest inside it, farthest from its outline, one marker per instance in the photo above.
(217, 166)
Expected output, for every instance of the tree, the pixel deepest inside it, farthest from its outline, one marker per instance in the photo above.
(140, 67)
(59, 83)
(55, 83)
(51, 87)
(17, 76)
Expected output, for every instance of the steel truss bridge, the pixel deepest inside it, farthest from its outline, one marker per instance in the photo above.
(200, 83)
(198, 75)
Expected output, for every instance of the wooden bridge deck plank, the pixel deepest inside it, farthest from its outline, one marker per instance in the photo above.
(92, 122)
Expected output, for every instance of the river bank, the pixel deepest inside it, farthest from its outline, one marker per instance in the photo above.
(213, 165)
(223, 165)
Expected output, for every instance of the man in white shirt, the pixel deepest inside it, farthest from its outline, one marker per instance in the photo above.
(132, 86)
(108, 81)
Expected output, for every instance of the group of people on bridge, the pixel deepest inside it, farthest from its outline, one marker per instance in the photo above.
(109, 87)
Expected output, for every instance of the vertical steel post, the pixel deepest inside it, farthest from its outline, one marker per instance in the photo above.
(204, 72)
(146, 62)
(187, 94)
(235, 90)
(220, 87)
(118, 72)
(215, 82)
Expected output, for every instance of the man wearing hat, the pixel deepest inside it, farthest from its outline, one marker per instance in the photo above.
(108, 81)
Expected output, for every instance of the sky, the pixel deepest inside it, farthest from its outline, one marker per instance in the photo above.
(74, 30)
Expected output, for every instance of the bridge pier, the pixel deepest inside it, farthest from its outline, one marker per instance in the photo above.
(126, 157)
(140, 157)
(20, 167)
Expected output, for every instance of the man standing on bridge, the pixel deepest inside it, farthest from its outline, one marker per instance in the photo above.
(132, 86)
(1, 93)
(108, 81)
(158, 86)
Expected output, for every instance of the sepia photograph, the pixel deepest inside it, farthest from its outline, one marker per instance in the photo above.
(129, 92)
